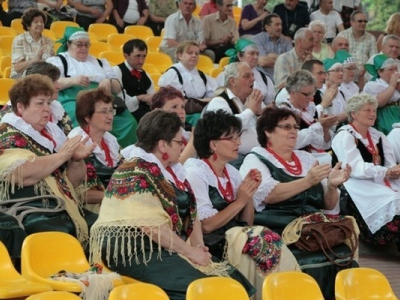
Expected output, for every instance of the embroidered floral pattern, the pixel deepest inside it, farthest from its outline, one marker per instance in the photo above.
(264, 248)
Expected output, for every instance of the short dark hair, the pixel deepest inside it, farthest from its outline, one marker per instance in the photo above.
(164, 94)
(44, 68)
(268, 19)
(268, 120)
(85, 102)
(130, 46)
(212, 126)
(29, 15)
(155, 126)
(28, 87)
(309, 64)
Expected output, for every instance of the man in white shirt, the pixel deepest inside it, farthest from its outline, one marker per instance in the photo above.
(330, 17)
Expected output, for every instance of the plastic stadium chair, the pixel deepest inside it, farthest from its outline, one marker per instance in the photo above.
(6, 42)
(291, 285)
(236, 10)
(54, 295)
(16, 24)
(140, 31)
(46, 253)
(7, 72)
(215, 72)
(5, 62)
(161, 61)
(151, 69)
(93, 37)
(7, 31)
(102, 30)
(216, 288)
(113, 57)
(5, 84)
(138, 291)
(362, 283)
(12, 284)
(50, 34)
(117, 40)
(205, 64)
(223, 62)
(196, 11)
(97, 47)
(153, 43)
(155, 78)
(58, 27)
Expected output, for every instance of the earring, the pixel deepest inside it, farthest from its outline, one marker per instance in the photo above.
(269, 144)
(165, 156)
(215, 156)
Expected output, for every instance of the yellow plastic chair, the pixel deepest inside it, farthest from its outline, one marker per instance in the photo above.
(7, 72)
(236, 10)
(138, 291)
(151, 69)
(223, 62)
(153, 43)
(117, 40)
(215, 72)
(205, 64)
(12, 284)
(140, 31)
(7, 31)
(196, 11)
(58, 27)
(362, 283)
(6, 42)
(97, 47)
(113, 57)
(155, 78)
(102, 30)
(93, 37)
(46, 253)
(162, 33)
(161, 61)
(56, 46)
(216, 288)
(5, 62)
(54, 295)
(50, 34)
(16, 24)
(291, 285)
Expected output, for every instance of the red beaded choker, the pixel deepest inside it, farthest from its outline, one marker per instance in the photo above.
(179, 184)
(295, 169)
(227, 192)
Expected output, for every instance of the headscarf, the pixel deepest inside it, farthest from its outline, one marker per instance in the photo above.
(344, 57)
(71, 34)
(380, 61)
(240, 45)
(331, 64)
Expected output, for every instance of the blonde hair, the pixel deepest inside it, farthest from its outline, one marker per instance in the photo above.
(393, 24)
(356, 102)
(183, 47)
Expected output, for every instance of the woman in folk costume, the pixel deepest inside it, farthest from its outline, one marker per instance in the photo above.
(148, 227)
(38, 159)
(225, 202)
(95, 114)
(385, 86)
(80, 71)
(348, 87)
(374, 183)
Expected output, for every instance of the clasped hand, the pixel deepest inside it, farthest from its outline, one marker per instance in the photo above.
(336, 176)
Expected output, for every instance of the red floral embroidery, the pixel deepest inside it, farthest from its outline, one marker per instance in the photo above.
(20, 142)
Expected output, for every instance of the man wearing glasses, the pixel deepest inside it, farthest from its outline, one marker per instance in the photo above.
(362, 44)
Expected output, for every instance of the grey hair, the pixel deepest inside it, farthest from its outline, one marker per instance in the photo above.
(334, 41)
(389, 37)
(317, 23)
(232, 71)
(356, 102)
(299, 79)
(301, 33)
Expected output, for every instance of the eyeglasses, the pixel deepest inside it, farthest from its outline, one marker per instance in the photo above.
(362, 21)
(232, 138)
(106, 112)
(179, 142)
(308, 94)
(81, 45)
(351, 69)
(336, 70)
(288, 127)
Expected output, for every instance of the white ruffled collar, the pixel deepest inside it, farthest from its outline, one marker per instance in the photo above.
(203, 170)
(57, 111)
(110, 140)
(375, 134)
(20, 124)
(134, 151)
(306, 115)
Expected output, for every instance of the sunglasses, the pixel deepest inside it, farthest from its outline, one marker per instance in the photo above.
(362, 21)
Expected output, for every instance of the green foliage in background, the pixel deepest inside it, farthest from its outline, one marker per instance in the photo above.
(378, 11)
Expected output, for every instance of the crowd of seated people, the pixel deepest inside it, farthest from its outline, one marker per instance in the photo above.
(298, 115)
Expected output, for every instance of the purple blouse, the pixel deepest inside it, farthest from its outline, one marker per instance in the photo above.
(250, 13)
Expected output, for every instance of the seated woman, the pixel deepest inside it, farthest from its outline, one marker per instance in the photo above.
(95, 114)
(374, 173)
(385, 86)
(37, 160)
(248, 52)
(92, 11)
(31, 45)
(225, 201)
(171, 100)
(392, 27)
(159, 11)
(293, 184)
(253, 15)
(185, 77)
(321, 50)
(128, 12)
(58, 114)
(348, 87)
(79, 71)
(149, 207)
